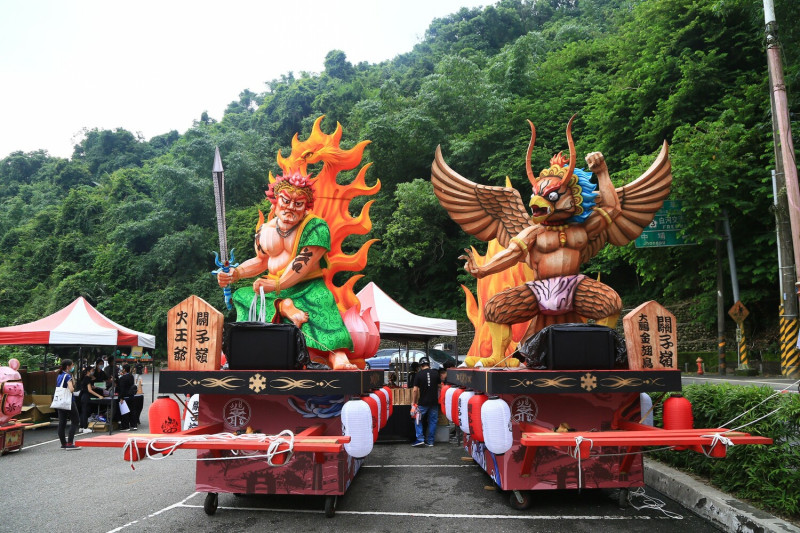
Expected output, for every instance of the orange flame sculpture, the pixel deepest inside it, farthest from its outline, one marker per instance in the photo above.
(332, 201)
(487, 287)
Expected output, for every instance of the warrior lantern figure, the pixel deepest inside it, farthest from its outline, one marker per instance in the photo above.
(571, 219)
(298, 251)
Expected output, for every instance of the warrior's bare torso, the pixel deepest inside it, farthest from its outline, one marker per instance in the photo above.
(277, 249)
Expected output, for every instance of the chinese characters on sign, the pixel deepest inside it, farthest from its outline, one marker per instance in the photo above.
(194, 335)
(665, 229)
(651, 338)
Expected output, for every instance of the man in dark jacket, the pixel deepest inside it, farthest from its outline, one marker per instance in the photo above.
(425, 400)
(127, 390)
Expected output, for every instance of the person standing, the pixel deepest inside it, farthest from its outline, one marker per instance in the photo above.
(127, 390)
(87, 389)
(412, 373)
(425, 401)
(64, 379)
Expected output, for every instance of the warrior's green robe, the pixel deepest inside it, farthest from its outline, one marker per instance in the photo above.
(325, 329)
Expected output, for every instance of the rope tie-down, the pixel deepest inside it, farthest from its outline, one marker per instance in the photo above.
(279, 451)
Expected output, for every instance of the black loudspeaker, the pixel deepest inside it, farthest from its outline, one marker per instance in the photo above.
(260, 346)
(584, 347)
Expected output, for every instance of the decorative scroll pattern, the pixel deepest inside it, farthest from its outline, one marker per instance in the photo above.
(618, 382)
(291, 384)
(561, 382)
(228, 383)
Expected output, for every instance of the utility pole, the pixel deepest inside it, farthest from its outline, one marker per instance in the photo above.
(788, 199)
(720, 299)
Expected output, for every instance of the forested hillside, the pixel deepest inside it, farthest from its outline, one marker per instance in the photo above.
(129, 223)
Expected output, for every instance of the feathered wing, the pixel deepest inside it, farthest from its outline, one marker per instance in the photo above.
(485, 212)
(639, 202)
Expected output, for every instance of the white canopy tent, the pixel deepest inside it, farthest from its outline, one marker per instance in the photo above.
(396, 323)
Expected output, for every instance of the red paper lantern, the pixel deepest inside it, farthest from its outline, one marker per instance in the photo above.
(678, 413)
(441, 398)
(474, 416)
(373, 407)
(386, 392)
(164, 416)
(454, 416)
(383, 414)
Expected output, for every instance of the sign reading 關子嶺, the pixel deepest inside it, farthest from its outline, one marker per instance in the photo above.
(651, 337)
(194, 335)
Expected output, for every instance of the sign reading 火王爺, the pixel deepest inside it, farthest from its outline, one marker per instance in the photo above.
(651, 337)
(194, 335)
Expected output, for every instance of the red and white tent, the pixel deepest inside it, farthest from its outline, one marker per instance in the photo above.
(77, 324)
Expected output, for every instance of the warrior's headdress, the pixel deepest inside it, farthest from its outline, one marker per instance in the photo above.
(296, 183)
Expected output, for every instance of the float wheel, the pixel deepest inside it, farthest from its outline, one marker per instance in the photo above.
(622, 498)
(211, 503)
(330, 506)
(520, 499)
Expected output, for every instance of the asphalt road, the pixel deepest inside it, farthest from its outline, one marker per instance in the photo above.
(775, 383)
(399, 488)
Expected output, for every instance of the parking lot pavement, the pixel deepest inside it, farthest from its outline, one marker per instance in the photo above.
(398, 488)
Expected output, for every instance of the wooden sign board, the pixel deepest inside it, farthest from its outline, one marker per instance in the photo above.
(651, 337)
(194, 336)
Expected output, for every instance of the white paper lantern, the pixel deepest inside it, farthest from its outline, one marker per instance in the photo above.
(497, 433)
(191, 412)
(646, 406)
(357, 424)
(463, 418)
(381, 401)
(448, 403)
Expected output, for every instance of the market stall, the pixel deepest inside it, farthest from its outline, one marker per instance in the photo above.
(80, 325)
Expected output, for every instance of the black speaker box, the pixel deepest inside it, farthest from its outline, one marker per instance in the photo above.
(261, 346)
(585, 347)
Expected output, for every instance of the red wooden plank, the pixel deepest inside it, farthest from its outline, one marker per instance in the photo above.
(636, 438)
(321, 444)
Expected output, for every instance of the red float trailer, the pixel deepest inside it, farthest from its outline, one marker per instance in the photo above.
(580, 429)
(239, 441)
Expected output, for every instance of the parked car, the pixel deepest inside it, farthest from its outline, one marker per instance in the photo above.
(378, 362)
(390, 358)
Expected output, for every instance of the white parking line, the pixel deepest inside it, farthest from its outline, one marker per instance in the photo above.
(26, 446)
(151, 515)
(419, 466)
(442, 515)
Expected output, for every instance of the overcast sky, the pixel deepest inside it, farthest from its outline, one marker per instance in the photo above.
(154, 66)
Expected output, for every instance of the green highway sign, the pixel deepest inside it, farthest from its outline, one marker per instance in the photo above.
(665, 228)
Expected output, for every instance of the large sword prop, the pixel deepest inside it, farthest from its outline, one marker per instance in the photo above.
(226, 263)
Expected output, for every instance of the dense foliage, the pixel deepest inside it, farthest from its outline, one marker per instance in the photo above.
(765, 475)
(129, 224)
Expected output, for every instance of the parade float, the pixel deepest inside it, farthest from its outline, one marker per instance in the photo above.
(551, 396)
(12, 432)
(294, 411)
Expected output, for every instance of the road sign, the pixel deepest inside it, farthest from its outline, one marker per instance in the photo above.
(665, 228)
(738, 312)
